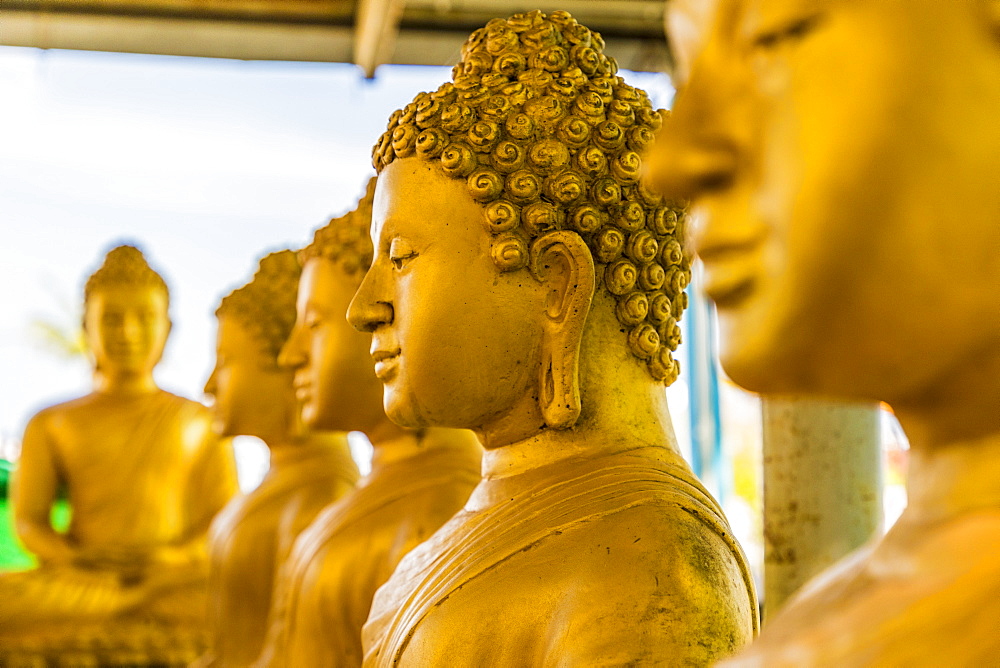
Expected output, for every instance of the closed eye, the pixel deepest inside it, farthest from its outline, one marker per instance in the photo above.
(400, 261)
(788, 33)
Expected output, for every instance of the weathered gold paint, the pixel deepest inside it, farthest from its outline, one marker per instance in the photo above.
(842, 157)
(419, 479)
(254, 396)
(499, 300)
(145, 476)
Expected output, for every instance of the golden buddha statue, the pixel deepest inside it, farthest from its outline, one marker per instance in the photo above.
(843, 157)
(418, 479)
(527, 287)
(144, 475)
(309, 470)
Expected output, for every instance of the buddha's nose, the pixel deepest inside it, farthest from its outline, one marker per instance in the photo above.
(702, 144)
(293, 353)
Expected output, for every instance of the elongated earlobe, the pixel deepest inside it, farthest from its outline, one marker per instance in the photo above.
(561, 261)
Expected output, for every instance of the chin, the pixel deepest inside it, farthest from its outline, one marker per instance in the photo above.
(402, 413)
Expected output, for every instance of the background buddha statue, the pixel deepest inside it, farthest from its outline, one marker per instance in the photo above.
(527, 287)
(309, 469)
(418, 479)
(144, 475)
(846, 177)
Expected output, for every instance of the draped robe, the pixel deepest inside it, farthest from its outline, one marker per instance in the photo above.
(142, 473)
(337, 564)
(621, 559)
(253, 536)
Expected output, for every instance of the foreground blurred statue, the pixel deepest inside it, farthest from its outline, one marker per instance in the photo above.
(844, 158)
(527, 287)
(418, 479)
(309, 470)
(144, 475)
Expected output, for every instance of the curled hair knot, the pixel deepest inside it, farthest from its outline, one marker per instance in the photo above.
(431, 142)
(573, 131)
(621, 112)
(520, 126)
(509, 64)
(484, 135)
(632, 309)
(522, 186)
(507, 157)
(552, 58)
(671, 254)
(631, 217)
(627, 167)
(457, 118)
(458, 160)
(548, 155)
(565, 188)
(652, 276)
(620, 276)
(659, 309)
(502, 216)
(540, 218)
(641, 247)
(592, 161)
(404, 139)
(644, 341)
(485, 185)
(587, 219)
(609, 244)
(609, 136)
(509, 252)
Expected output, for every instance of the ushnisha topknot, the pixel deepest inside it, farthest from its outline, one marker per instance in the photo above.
(266, 305)
(123, 266)
(345, 240)
(548, 137)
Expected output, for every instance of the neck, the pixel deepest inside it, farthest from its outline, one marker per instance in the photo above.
(620, 412)
(129, 384)
(623, 408)
(954, 433)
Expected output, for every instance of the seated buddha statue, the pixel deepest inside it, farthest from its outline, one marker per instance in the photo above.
(418, 480)
(309, 470)
(144, 475)
(527, 287)
(845, 176)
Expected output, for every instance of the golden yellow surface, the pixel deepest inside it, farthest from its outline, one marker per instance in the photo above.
(842, 160)
(500, 300)
(419, 479)
(253, 535)
(144, 474)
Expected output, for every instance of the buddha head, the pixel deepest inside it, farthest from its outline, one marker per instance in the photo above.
(253, 395)
(334, 380)
(125, 318)
(511, 231)
(843, 178)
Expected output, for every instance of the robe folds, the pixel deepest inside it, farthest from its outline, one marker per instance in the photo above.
(254, 534)
(621, 559)
(326, 588)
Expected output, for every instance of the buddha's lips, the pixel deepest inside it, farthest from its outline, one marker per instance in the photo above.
(386, 362)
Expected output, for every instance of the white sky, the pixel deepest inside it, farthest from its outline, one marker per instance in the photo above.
(205, 163)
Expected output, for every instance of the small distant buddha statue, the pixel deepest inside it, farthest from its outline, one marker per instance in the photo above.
(144, 475)
(526, 286)
(844, 160)
(418, 480)
(309, 470)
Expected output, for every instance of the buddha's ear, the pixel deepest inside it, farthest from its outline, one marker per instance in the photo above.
(562, 263)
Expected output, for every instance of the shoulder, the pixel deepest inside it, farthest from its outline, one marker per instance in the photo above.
(59, 415)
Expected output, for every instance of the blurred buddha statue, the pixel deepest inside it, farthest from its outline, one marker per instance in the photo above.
(843, 157)
(527, 287)
(418, 479)
(309, 470)
(144, 475)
